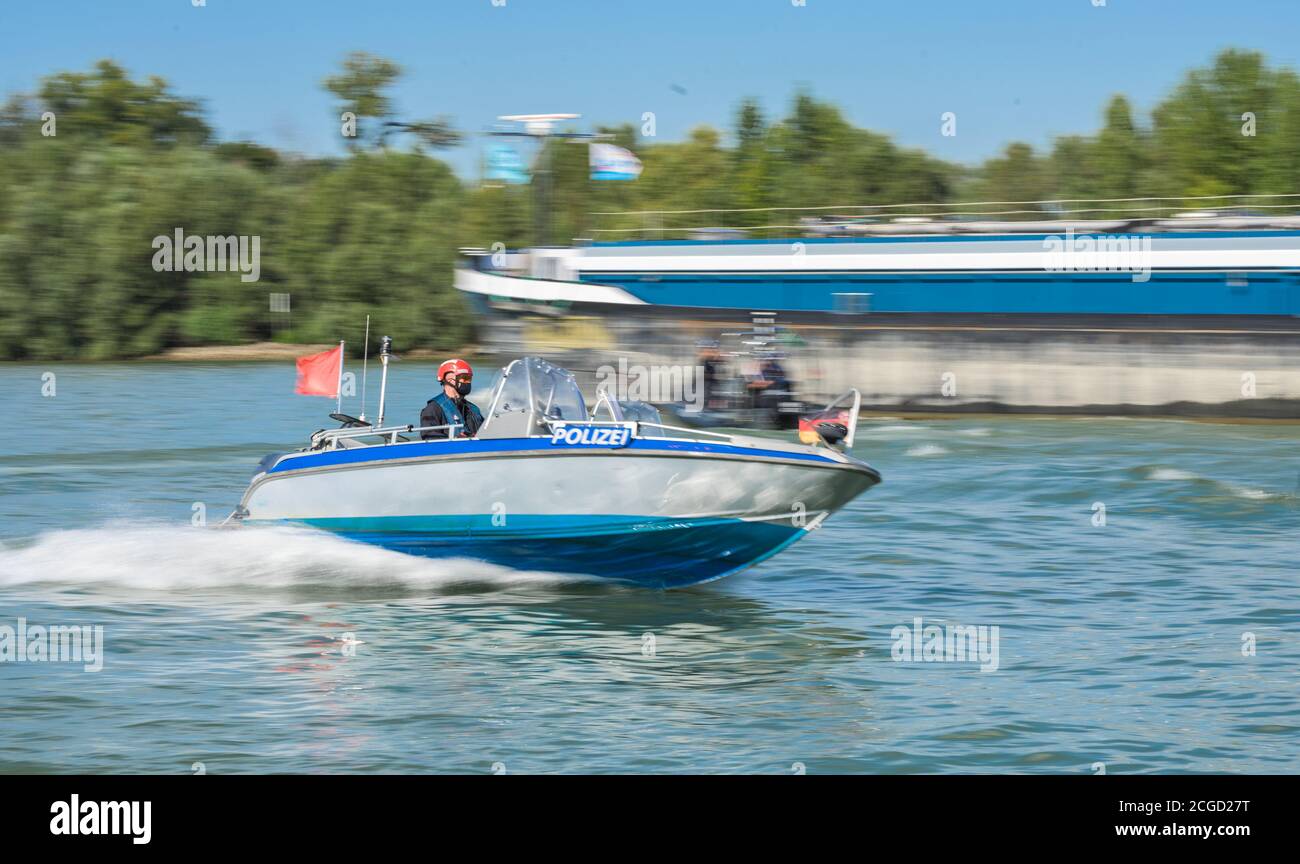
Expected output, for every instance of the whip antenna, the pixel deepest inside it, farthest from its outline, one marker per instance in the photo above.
(363, 370)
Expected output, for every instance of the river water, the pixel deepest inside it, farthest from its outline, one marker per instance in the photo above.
(1164, 637)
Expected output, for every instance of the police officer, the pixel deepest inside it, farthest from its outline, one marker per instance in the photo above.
(709, 359)
(451, 406)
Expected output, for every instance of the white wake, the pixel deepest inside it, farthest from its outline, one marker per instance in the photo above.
(175, 559)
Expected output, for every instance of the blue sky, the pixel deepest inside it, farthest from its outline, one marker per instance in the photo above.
(1009, 69)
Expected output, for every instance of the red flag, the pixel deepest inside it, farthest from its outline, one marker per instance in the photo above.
(318, 374)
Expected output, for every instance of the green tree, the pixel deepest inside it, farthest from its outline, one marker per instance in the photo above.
(248, 153)
(377, 235)
(1072, 168)
(1198, 130)
(15, 120)
(1119, 154)
(361, 90)
(1018, 175)
(435, 134)
(106, 105)
(79, 214)
(751, 167)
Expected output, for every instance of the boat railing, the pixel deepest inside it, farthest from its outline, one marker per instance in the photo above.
(689, 431)
(391, 433)
(331, 437)
(1167, 213)
(854, 409)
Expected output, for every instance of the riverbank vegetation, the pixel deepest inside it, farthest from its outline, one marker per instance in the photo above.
(95, 165)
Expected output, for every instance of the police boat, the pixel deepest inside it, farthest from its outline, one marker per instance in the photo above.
(547, 484)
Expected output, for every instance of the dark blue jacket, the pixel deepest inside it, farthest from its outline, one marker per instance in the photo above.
(442, 410)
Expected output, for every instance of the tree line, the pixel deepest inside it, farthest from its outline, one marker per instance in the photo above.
(95, 165)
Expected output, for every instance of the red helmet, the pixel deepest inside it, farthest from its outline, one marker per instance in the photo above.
(454, 367)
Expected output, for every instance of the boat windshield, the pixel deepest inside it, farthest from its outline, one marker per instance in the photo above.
(529, 392)
(644, 412)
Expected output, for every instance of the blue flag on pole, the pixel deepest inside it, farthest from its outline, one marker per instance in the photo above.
(613, 163)
(505, 164)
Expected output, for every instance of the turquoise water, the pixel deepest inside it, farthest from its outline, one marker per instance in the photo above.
(1119, 644)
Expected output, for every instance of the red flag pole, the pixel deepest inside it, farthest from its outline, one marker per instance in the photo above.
(312, 370)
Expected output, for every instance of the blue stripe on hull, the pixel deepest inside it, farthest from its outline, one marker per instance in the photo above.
(1167, 293)
(499, 446)
(652, 552)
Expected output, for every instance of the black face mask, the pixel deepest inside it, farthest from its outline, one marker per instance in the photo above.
(463, 388)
